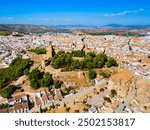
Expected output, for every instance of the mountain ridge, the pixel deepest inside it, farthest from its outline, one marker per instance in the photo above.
(29, 28)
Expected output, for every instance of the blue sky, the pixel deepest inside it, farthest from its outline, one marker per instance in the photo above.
(75, 12)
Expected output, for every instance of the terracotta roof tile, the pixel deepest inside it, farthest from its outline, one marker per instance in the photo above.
(44, 98)
(5, 110)
(50, 97)
(38, 102)
(10, 109)
(17, 106)
(24, 105)
(115, 104)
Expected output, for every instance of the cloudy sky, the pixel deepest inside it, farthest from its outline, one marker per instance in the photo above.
(75, 12)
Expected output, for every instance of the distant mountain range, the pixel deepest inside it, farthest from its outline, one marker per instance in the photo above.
(108, 26)
(23, 28)
(127, 26)
(63, 28)
(77, 27)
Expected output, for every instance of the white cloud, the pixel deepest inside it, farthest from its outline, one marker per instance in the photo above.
(54, 19)
(7, 18)
(67, 20)
(123, 13)
(29, 19)
(47, 19)
(10, 18)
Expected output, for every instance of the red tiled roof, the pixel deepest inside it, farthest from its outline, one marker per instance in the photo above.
(5, 110)
(11, 100)
(44, 98)
(17, 106)
(19, 96)
(38, 102)
(58, 96)
(115, 104)
(50, 97)
(10, 109)
(25, 105)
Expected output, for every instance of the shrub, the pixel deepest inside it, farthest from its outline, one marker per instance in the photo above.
(113, 92)
(16, 69)
(58, 84)
(107, 99)
(65, 60)
(92, 74)
(111, 62)
(39, 79)
(39, 50)
(105, 75)
(8, 91)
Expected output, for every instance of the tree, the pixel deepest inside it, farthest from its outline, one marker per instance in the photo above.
(47, 80)
(102, 90)
(61, 59)
(99, 60)
(75, 64)
(58, 84)
(39, 50)
(4, 105)
(65, 104)
(88, 58)
(85, 109)
(26, 71)
(8, 91)
(107, 99)
(111, 62)
(105, 75)
(56, 63)
(101, 63)
(113, 92)
(66, 62)
(78, 53)
(15, 70)
(35, 77)
(81, 65)
(102, 56)
(4, 33)
(91, 54)
(92, 74)
(89, 65)
(68, 58)
(67, 109)
(35, 74)
(34, 84)
(95, 62)
(76, 111)
(40, 79)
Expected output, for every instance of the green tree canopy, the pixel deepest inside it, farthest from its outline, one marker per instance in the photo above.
(90, 60)
(78, 53)
(92, 74)
(111, 62)
(39, 50)
(47, 80)
(105, 75)
(15, 70)
(58, 84)
(39, 79)
(8, 91)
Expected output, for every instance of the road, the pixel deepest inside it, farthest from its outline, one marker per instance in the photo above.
(71, 98)
(127, 101)
(82, 93)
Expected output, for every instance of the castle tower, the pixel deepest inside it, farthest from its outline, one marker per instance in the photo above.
(49, 52)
